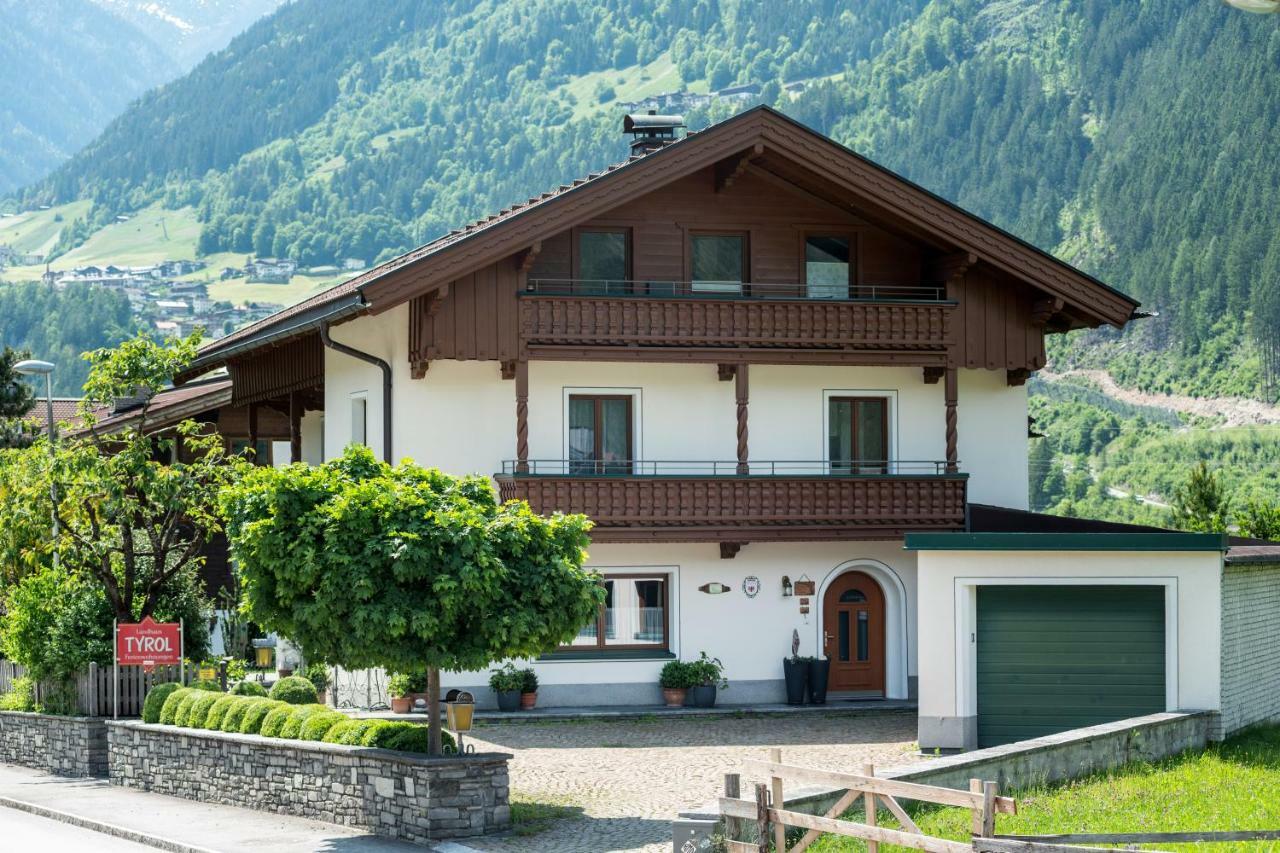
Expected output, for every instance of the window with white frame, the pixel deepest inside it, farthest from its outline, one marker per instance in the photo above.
(636, 614)
(359, 418)
(859, 431)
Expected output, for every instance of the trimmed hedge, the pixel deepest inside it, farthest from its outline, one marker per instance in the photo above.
(184, 707)
(249, 688)
(403, 736)
(234, 718)
(318, 725)
(347, 731)
(258, 713)
(156, 697)
(206, 684)
(275, 719)
(292, 727)
(295, 690)
(213, 720)
(200, 708)
(170, 708)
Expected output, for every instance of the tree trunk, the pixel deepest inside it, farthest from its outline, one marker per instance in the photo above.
(433, 711)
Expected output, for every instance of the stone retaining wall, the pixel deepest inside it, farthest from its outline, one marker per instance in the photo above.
(67, 746)
(397, 794)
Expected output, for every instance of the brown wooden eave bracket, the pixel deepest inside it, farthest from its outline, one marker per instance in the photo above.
(953, 266)
(1044, 310)
(729, 170)
(418, 369)
(729, 550)
(726, 372)
(1017, 376)
(526, 258)
(932, 375)
(508, 369)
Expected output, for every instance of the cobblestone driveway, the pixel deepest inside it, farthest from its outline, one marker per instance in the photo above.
(629, 778)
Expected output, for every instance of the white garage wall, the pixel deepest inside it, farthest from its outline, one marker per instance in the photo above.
(948, 581)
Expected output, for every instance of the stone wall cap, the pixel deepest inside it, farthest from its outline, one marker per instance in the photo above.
(61, 718)
(317, 746)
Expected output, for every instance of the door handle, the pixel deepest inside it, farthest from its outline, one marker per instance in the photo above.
(826, 639)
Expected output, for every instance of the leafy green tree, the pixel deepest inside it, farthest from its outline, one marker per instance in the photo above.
(1202, 502)
(364, 564)
(1259, 519)
(16, 398)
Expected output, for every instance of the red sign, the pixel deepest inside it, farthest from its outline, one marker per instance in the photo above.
(149, 643)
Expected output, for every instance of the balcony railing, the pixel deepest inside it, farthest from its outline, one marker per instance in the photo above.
(735, 290)
(677, 315)
(640, 501)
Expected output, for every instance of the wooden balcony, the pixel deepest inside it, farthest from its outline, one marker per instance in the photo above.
(708, 502)
(670, 321)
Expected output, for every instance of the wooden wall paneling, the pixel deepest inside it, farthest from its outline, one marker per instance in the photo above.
(556, 258)
(485, 320)
(507, 310)
(464, 317)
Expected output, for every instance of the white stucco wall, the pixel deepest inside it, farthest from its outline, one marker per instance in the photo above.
(750, 635)
(948, 581)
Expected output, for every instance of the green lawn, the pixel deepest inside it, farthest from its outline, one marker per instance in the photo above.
(37, 230)
(1232, 786)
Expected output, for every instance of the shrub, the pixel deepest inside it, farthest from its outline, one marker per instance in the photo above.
(213, 720)
(295, 690)
(206, 684)
(234, 718)
(21, 695)
(507, 679)
(318, 675)
(706, 671)
(184, 707)
(350, 732)
(255, 716)
(199, 709)
(169, 710)
(678, 675)
(275, 719)
(528, 681)
(292, 727)
(249, 688)
(403, 736)
(318, 725)
(156, 697)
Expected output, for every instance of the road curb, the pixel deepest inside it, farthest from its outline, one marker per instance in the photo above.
(105, 828)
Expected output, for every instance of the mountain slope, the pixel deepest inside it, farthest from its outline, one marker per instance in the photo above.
(188, 30)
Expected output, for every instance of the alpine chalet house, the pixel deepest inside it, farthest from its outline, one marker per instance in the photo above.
(789, 387)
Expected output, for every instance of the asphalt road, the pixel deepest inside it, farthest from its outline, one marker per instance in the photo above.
(22, 831)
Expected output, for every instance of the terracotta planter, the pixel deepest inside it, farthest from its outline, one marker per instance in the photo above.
(401, 704)
(528, 701)
(674, 696)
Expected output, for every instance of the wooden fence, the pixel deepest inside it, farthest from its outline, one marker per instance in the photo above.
(766, 815)
(94, 693)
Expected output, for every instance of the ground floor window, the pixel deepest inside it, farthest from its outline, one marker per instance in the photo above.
(635, 615)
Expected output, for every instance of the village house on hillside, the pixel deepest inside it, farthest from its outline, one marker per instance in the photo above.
(789, 388)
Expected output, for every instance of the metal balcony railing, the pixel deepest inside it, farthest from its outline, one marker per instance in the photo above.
(735, 290)
(722, 468)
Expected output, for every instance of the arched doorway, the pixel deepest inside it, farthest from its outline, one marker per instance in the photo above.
(853, 633)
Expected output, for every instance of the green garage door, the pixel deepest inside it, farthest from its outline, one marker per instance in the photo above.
(1052, 658)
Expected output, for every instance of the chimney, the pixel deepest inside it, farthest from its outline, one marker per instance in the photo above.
(650, 131)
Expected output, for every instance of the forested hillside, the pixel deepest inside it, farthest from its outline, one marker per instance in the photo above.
(1134, 139)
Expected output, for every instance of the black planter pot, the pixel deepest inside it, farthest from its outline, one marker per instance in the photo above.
(508, 700)
(703, 696)
(819, 669)
(796, 674)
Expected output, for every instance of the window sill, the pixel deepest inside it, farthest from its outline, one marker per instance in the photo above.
(607, 655)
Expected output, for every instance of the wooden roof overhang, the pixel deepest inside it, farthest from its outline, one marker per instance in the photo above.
(765, 141)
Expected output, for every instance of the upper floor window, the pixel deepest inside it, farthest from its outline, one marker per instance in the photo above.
(359, 419)
(718, 262)
(604, 260)
(858, 434)
(827, 267)
(600, 433)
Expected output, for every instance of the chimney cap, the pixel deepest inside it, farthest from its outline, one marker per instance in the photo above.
(650, 122)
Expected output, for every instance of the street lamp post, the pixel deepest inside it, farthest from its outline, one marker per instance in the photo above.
(32, 367)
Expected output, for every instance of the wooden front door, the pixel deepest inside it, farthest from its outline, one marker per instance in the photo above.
(853, 633)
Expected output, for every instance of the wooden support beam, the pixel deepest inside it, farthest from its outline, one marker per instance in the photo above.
(1017, 377)
(729, 550)
(522, 416)
(295, 426)
(741, 392)
(507, 369)
(1043, 310)
(730, 169)
(951, 392)
(418, 369)
(932, 374)
(725, 372)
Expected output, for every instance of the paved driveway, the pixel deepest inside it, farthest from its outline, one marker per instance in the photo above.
(621, 782)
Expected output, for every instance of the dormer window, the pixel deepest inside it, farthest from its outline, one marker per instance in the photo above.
(827, 267)
(604, 261)
(718, 262)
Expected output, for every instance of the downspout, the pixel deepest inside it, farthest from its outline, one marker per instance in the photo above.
(386, 382)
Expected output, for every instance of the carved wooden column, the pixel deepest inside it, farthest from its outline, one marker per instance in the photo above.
(295, 427)
(740, 388)
(951, 391)
(522, 417)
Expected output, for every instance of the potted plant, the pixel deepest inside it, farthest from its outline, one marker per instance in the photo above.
(795, 670)
(528, 689)
(398, 686)
(819, 670)
(707, 674)
(675, 680)
(507, 682)
(318, 675)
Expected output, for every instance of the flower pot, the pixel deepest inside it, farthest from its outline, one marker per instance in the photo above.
(702, 696)
(528, 700)
(819, 669)
(796, 674)
(416, 698)
(508, 700)
(673, 696)
(401, 704)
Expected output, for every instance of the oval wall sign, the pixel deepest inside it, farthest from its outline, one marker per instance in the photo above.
(713, 588)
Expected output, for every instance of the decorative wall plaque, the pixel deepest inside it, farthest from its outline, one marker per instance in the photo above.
(751, 586)
(713, 588)
(805, 587)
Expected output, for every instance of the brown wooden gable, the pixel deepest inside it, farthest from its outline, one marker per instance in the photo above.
(296, 365)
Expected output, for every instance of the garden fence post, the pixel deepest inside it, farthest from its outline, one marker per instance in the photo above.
(870, 800)
(93, 689)
(978, 824)
(733, 790)
(779, 831)
(762, 817)
(115, 669)
(988, 809)
(222, 674)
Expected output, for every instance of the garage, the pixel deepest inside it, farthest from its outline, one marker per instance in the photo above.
(1052, 657)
